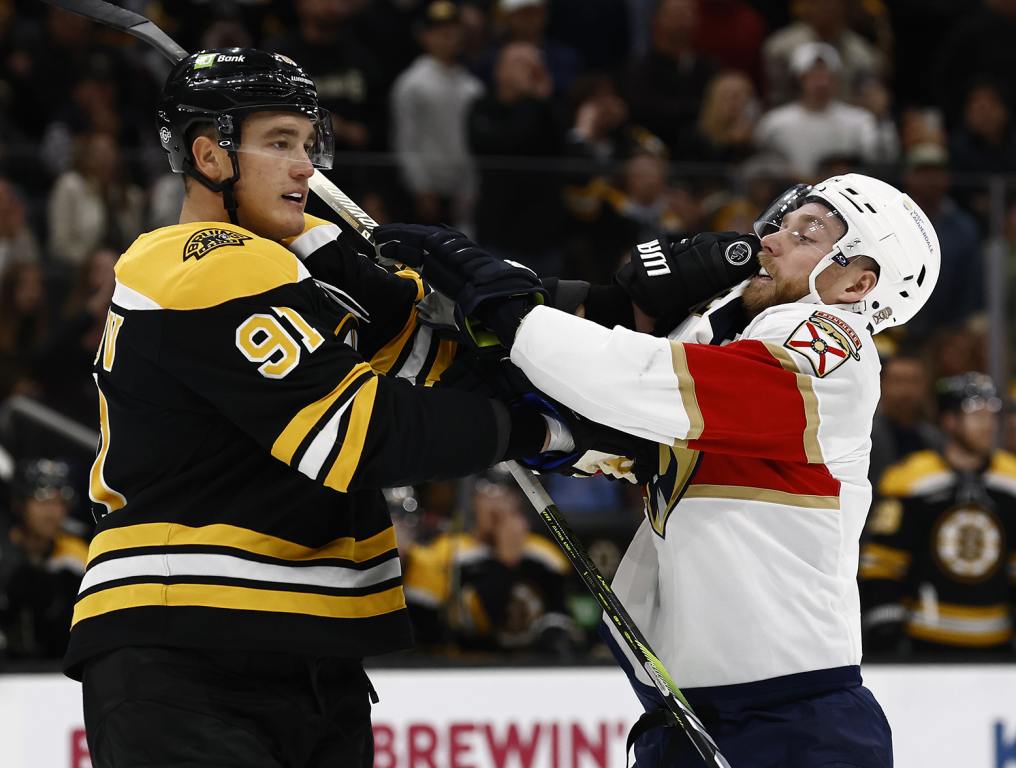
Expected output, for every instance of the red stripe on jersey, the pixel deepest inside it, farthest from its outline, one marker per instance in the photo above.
(750, 472)
(750, 404)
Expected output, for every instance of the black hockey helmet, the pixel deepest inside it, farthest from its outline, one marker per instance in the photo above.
(966, 393)
(43, 479)
(219, 87)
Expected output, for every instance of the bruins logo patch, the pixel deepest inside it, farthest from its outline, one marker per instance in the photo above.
(969, 543)
(204, 241)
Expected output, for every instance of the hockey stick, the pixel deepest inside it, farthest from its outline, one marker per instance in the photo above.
(616, 612)
(145, 29)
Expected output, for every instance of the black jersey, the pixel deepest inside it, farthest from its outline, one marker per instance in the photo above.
(245, 432)
(939, 560)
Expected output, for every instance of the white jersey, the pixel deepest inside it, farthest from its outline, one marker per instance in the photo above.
(745, 566)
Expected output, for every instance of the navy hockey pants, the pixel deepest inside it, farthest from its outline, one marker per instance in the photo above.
(843, 728)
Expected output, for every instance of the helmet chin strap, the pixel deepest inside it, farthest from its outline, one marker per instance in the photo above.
(228, 131)
(813, 297)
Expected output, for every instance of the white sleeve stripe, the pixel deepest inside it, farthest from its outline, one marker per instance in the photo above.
(324, 441)
(310, 241)
(128, 298)
(414, 363)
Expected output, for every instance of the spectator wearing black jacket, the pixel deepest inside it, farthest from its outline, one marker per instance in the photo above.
(511, 129)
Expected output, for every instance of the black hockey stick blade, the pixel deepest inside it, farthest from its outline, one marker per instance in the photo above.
(126, 21)
(616, 612)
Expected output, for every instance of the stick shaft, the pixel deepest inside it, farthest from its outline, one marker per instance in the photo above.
(618, 615)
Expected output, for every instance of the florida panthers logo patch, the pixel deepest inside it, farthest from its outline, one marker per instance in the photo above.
(203, 242)
(825, 341)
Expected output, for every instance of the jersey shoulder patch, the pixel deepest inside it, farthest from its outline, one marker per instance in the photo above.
(825, 341)
(204, 264)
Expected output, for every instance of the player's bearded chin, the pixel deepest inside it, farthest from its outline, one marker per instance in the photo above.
(762, 294)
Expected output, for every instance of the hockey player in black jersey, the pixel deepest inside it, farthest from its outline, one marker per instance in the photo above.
(244, 561)
(938, 569)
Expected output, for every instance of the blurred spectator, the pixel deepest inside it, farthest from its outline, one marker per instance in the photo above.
(430, 101)
(603, 136)
(666, 86)
(24, 322)
(93, 206)
(985, 141)
(731, 33)
(525, 21)
(921, 125)
(979, 44)
(497, 587)
(519, 210)
(17, 241)
(65, 365)
(901, 424)
(960, 290)
(825, 21)
(348, 77)
(936, 571)
(648, 201)
(817, 124)
(726, 121)
(1007, 243)
(40, 564)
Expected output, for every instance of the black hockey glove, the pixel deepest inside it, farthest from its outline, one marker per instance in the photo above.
(667, 280)
(487, 289)
(583, 448)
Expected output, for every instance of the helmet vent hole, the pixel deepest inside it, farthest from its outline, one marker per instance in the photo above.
(871, 330)
(870, 208)
(920, 277)
(851, 191)
(904, 294)
(874, 305)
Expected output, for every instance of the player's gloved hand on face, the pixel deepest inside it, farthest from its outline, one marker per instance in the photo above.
(667, 279)
(583, 448)
(487, 291)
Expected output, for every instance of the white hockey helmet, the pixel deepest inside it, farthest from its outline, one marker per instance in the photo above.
(882, 223)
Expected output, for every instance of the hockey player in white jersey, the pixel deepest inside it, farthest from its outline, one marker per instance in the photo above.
(743, 574)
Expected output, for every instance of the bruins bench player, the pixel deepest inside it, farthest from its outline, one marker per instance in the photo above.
(244, 561)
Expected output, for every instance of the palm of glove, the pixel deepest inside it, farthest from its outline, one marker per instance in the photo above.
(495, 292)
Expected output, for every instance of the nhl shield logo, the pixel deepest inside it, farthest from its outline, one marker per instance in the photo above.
(204, 241)
(825, 341)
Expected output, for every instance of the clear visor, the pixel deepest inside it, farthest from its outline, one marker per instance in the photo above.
(805, 219)
(289, 145)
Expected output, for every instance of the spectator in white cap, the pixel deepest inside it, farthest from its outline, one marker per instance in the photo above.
(819, 21)
(817, 124)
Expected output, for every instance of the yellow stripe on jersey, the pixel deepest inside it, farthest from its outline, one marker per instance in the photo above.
(385, 357)
(164, 266)
(222, 535)
(900, 478)
(98, 490)
(1003, 463)
(686, 387)
(445, 355)
(812, 447)
(746, 493)
(310, 416)
(237, 598)
(882, 562)
(348, 459)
